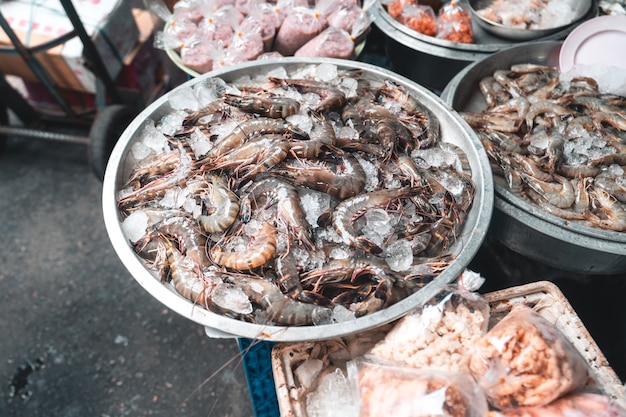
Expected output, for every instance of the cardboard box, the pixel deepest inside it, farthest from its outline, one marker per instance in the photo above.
(138, 80)
(110, 25)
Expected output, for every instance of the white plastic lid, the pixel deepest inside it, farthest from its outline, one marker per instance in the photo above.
(598, 41)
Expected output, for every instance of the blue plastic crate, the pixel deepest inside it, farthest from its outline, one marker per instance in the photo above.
(256, 357)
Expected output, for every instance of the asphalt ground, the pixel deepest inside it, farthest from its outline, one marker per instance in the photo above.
(78, 336)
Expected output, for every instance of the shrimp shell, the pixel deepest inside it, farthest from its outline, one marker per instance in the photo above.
(261, 248)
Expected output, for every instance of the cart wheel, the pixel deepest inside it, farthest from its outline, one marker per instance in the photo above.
(106, 129)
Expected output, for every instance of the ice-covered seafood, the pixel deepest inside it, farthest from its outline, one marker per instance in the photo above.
(280, 198)
(531, 14)
(560, 144)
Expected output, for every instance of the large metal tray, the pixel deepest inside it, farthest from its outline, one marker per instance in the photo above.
(521, 225)
(453, 129)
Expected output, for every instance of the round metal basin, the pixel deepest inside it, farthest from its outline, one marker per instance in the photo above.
(519, 224)
(453, 129)
(433, 62)
(581, 9)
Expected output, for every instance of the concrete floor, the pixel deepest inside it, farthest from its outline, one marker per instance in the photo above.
(79, 337)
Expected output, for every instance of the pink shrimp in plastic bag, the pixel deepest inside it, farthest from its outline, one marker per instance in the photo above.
(262, 27)
(331, 43)
(524, 360)
(245, 46)
(574, 405)
(198, 55)
(387, 389)
(298, 28)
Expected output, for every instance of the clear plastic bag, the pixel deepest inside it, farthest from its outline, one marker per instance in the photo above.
(574, 405)
(331, 43)
(199, 55)
(386, 389)
(524, 360)
(454, 23)
(298, 28)
(440, 334)
(420, 18)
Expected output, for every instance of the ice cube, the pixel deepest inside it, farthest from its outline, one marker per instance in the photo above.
(140, 151)
(303, 122)
(326, 72)
(135, 225)
(399, 255)
(306, 373)
(199, 142)
(335, 396)
(183, 99)
(171, 122)
(342, 314)
(231, 298)
(152, 138)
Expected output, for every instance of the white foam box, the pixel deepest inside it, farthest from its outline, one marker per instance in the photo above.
(543, 296)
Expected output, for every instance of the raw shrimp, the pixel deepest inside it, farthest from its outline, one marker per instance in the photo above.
(260, 249)
(415, 110)
(223, 206)
(550, 108)
(321, 137)
(253, 157)
(186, 275)
(560, 193)
(273, 107)
(247, 129)
(161, 184)
(346, 180)
(279, 308)
(614, 212)
(348, 211)
(332, 98)
(275, 191)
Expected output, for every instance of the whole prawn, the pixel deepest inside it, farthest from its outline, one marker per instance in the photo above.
(247, 129)
(273, 107)
(321, 137)
(223, 206)
(260, 249)
(346, 180)
(253, 157)
(349, 210)
(332, 98)
(279, 308)
(273, 191)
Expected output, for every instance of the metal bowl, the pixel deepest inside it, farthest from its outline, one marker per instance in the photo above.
(581, 8)
(453, 129)
(519, 224)
(433, 62)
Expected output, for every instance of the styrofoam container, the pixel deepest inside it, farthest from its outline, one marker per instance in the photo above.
(542, 296)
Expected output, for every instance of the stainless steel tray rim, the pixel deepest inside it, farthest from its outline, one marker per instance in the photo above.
(449, 95)
(469, 242)
(558, 232)
(470, 52)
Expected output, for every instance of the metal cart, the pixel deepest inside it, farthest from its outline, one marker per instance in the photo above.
(105, 122)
